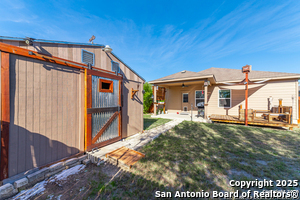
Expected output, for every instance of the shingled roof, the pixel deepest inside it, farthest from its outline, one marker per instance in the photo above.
(228, 75)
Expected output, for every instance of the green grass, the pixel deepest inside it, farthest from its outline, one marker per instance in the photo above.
(150, 123)
(199, 156)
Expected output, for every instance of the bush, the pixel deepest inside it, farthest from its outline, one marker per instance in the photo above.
(147, 97)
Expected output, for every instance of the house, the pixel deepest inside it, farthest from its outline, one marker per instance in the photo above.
(60, 99)
(218, 90)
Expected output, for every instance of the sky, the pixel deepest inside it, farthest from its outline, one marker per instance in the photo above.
(159, 38)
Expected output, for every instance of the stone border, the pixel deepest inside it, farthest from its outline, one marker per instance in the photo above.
(8, 190)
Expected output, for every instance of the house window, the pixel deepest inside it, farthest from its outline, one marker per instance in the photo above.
(225, 98)
(87, 57)
(106, 86)
(185, 97)
(199, 97)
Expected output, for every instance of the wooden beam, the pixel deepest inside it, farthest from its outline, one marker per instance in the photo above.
(94, 140)
(36, 55)
(5, 115)
(102, 144)
(104, 74)
(133, 92)
(106, 109)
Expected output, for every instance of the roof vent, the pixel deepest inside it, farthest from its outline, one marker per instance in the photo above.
(107, 49)
(183, 71)
(87, 57)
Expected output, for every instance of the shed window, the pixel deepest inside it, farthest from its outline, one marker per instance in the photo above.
(106, 86)
(115, 67)
(185, 97)
(225, 98)
(87, 57)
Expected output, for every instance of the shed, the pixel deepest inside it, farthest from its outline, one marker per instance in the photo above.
(60, 99)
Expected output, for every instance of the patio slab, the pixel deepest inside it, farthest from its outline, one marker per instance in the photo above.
(181, 117)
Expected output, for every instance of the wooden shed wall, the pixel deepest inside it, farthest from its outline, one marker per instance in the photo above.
(46, 113)
(134, 116)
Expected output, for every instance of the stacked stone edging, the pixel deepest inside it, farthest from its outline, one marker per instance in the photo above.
(8, 190)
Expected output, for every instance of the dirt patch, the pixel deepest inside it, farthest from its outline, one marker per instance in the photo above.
(83, 185)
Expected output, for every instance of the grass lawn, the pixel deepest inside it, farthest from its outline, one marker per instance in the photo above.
(193, 157)
(150, 122)
(199, 156)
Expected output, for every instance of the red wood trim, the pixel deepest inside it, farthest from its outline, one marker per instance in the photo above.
(89, 116)
(5, 107)
(111, 86)
(120, 104)
(103, 74)
(104, 70)
(102, 144)
(104, 127)
(48, 58)
(85, 109)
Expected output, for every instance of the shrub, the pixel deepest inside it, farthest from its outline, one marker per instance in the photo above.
(147, 97)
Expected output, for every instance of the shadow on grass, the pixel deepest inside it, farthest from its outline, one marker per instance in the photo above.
(148, 122)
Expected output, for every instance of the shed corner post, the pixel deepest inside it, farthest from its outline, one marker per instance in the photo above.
(85, 109)
(5, 114)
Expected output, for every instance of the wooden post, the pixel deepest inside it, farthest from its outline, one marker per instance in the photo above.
(154, 100)
(205, 100)
(246, 69)
(85, 109)
(5, 115)
(246, 101)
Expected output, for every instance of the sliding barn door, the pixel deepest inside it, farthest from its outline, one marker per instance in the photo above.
(103, 109)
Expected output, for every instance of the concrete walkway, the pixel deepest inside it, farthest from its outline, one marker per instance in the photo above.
(181, 117)
(133, 142)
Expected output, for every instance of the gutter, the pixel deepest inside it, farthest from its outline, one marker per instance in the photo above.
(49, 41)
(182, 79)
(261, 79)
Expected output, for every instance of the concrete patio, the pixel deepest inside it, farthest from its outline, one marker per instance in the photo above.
(186, 117)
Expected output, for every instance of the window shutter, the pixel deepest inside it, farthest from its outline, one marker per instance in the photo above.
(87, 57)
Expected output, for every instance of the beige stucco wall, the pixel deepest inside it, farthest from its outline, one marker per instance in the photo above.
(258, 97)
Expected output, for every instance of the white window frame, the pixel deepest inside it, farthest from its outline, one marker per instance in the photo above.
(188, 97)
(199, 98)
(224, 98)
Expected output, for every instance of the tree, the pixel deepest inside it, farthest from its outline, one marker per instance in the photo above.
(147, 97)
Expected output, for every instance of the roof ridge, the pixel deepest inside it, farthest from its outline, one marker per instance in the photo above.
(250, 72)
